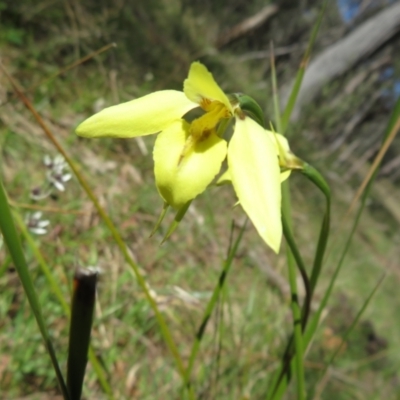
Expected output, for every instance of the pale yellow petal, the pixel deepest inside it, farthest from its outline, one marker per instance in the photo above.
(282, 144)
(200, 84)
(139, 117)
(226, 179)
(254, 168)
(283, 151)
(180, 179)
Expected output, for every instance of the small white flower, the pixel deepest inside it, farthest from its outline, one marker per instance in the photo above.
(38, 193)
(35, 224)
(56, 174)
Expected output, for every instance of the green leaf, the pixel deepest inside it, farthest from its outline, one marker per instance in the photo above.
(14, 246)
(301, 71)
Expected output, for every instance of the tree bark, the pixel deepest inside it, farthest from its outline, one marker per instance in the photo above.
(342, 55)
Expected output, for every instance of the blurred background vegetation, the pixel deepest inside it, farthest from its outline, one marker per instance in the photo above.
(339, 132)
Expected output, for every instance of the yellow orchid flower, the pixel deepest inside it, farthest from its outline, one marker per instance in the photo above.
(188, 156)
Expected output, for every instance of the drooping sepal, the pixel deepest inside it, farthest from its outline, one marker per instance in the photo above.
(183, 166)
(254, 169)
(160, 218)
(178, 218)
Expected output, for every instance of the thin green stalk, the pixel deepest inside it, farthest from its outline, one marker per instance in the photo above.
(312, 174)
(393, 121)
(14, 246)
(61, 298)
(287, 223)
(300, 264)
(298, 334)
(301, 71)
(357, 318)
(279, 384)
(296, 312)
(287, 226)
(212, 303)
(117, 237)
(275, 95)
(289, 351)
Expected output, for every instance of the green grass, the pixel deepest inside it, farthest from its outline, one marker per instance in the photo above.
(247, 333)
(254, 320)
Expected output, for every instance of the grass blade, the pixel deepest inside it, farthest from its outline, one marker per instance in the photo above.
(166, 333)
(275, 96)
(212, 302)
(300, 73)
(14, 246)
(320, 386)
(61, 298)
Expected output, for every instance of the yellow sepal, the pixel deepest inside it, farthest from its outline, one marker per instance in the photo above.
(200, 84)
(255, 173)
(143, 116)
(184, 172)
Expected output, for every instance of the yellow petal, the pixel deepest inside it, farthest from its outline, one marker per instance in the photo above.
(180, 179)
(200, 85)
(139, 117)
(287, 160)
(254, 168)
(282, 144)
(225, 178)
(283, 151)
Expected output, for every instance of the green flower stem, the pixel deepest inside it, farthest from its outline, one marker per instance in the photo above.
(292, 256)
(14, 246)
(312, 174)
(117, 237)
(280, 385)
(300, 264)
(212, 303)
(395, 118)
(289, 351)
(61, 298)
(296, 312)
